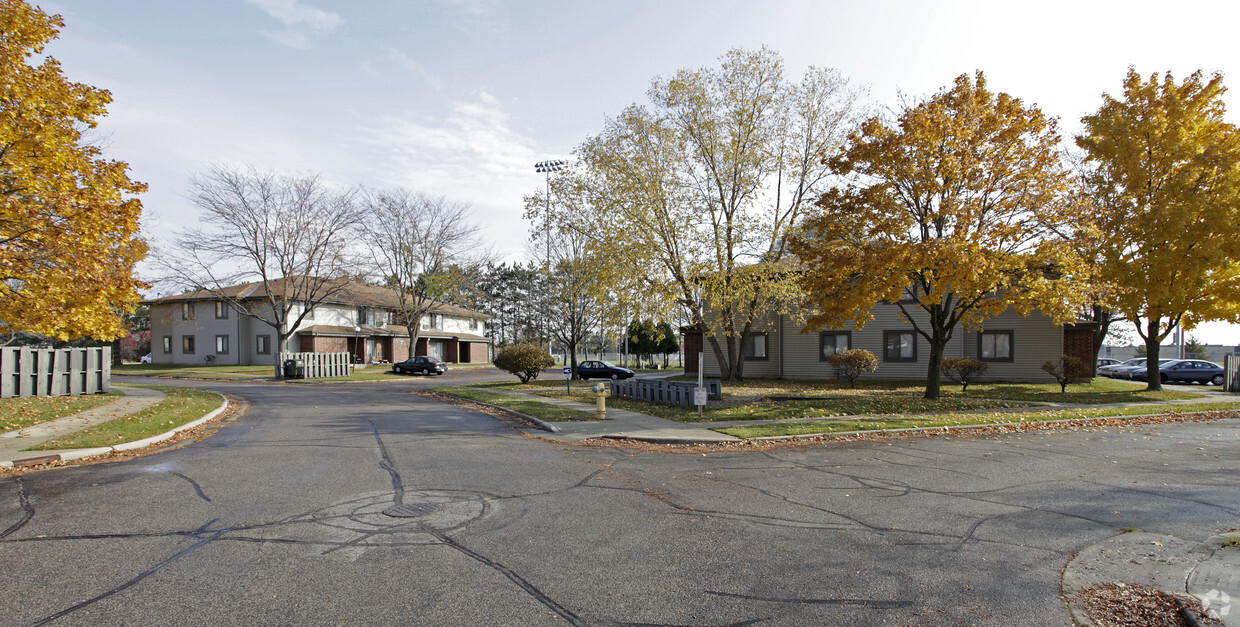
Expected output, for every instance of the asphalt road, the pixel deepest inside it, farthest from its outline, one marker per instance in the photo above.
(278, 519)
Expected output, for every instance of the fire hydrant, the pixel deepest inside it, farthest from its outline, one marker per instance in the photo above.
(600, 401)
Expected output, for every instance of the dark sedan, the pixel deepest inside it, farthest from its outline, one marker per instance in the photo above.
(602, 370)
(1186, 371)
(420, 365)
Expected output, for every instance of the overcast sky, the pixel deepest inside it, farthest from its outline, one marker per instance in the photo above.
(462, 97)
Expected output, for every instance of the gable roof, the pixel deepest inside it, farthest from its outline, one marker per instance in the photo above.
(354, 294)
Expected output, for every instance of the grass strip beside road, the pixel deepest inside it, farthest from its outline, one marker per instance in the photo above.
(19, 413)
(540, 410)
(740, 407)
(827, 427)
(182, 405)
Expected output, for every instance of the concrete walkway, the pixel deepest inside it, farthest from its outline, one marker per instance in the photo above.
(135, 400)
(622, 424)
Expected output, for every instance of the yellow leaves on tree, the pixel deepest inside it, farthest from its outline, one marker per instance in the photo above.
(955, 212)
(68, 222)
(1165, 174)
(697, 192)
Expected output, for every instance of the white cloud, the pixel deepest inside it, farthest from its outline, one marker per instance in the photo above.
(297, 19)
(293, 13)
(470, 154)
(409, 64)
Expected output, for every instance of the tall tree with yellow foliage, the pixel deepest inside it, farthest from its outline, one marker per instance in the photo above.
(691, 198)
(956, 210)
(69, 233)
(1165, 174)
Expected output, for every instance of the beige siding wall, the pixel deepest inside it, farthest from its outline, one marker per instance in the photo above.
(1035, 340)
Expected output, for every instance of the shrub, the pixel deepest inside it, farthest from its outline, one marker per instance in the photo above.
(854, 363)
(962, 370)
(524, 361)
(1066, 369)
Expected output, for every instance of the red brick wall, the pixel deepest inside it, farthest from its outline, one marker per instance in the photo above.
(400, 348)
(692, 345)
(1079, 343)
(321, 344)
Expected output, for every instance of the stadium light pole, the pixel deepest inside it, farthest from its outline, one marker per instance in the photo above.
(547, 167)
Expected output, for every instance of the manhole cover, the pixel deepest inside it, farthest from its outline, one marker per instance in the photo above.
(413, 510)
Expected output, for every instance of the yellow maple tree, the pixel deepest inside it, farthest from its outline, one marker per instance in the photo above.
(955, 211)
(1164, 172)
(69, 232)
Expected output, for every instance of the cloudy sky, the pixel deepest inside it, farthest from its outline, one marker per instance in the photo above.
(462, 97)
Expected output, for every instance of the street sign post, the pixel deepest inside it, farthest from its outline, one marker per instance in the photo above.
(568, 374)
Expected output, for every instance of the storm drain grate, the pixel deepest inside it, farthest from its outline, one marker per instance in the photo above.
(413, 510)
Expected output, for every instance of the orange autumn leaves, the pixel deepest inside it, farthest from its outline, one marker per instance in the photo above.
(69, 222)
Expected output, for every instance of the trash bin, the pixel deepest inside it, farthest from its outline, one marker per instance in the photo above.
(294, 369)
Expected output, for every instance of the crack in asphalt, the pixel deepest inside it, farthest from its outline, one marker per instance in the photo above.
(871, 603)
(143, 575)
(514, 577)
(197, 488)
(24, 500)
(398, 485)
(398, 494)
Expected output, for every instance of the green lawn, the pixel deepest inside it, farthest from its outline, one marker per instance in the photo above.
(537, 409)
(196, 371)
(19, 413)
(738, 406)
(182, 405)
(827, 427)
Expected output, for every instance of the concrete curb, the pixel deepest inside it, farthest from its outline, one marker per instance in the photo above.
(992, 425)
(545, 426)
(128, 446)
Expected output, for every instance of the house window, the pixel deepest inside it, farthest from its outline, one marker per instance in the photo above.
(899, 346)
(187, 344)
(221, 310)
(262, 344)
(755, 346)
(187, 311)
(310, 313)
(432, 321)
(832, 342)
(167, 344)
(473, 324)
(994, 346)
(221, 344)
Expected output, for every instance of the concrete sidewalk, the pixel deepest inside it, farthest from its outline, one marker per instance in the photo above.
(12, 443)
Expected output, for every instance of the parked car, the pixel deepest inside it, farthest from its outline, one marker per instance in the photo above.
(1109, 371)
(1106, 361)
(420, 365)
(1186, 371)
(602, 370)
(146, 359)
(1127, 372)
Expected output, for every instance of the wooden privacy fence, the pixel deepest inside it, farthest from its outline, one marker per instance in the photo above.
(664, 392)
(26, 371)
(321, 365)
(1231, 373)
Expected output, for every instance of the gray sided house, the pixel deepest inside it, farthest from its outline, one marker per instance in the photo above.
(199, 327)
(1015, 347)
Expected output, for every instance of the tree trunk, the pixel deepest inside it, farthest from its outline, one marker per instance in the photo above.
(281, 348)
(572, 350)
(1151, 356)
(934, 370)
